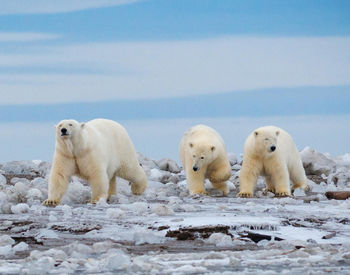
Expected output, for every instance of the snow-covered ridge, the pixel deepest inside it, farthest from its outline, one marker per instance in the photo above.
(304, 233)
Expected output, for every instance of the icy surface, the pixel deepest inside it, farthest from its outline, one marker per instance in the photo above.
(166, 231)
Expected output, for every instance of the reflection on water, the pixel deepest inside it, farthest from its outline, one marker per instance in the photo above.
(160, 138)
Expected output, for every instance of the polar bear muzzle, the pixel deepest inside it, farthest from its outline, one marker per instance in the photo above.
(64, 132)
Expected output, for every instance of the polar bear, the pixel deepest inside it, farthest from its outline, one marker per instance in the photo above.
(203, 155)
(98, 151)
(270, 151)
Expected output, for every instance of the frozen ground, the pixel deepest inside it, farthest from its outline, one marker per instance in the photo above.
(165, 231)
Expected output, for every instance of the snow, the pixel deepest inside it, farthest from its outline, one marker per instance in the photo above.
(20, 208)
(128, 233)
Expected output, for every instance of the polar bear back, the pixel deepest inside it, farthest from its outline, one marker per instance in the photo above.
(111, 141)
(203, 133)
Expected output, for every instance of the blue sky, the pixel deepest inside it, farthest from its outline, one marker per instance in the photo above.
(64, 52)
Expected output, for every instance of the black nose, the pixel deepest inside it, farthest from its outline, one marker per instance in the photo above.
(273, 148)
(63, 130)
(195, 168)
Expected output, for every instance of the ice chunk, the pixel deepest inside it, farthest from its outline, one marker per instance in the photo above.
(220, 240)
(232, 159)
(5, 250)
(142, 237)
(3, 181)
(162, 210)
(22, 246)
(47, 262)
(102, 202)
(115, 213)
(20, 208)
(6, 240)
(117, 262)
(187, 269)
(137, 207)
(159, 175)
(168, 165)
(316, 163)
(66, 209)
(101, 246)
(46, 234)
(34, 194)
(78, 193)
(299, 192)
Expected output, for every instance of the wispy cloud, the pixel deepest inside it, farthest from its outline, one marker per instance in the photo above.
(167, 69)
(55, 6)
(26, 36)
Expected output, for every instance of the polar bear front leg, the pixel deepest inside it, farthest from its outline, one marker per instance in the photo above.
(99, 183)
(280, 179)
(270, 187)
(62, 169)
(112, 190)
(221, 173)
(137, 177)
(195, 182)
(248, 177)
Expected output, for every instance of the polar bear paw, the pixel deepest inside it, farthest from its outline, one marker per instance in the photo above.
(51, 203)
(137, 189)
(245, 195)
(282, 194)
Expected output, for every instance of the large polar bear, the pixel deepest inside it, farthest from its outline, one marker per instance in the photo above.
(271, 152)
(203, 155)
(98, 151)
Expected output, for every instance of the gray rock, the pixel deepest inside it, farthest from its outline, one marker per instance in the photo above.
(3, 181)
(168, 165)
(316, 163)
(232, 158)
(21, 168)
(146, 162)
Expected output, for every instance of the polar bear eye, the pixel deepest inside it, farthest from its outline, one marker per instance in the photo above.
(194, 156)
(202, 157)
(266, 139)
(70, 124)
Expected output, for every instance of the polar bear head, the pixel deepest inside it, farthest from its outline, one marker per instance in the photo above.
(265, 141)
(201, 154)
(67, 129)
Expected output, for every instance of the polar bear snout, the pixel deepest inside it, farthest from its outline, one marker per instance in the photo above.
(273, 148)
(195, 168)
(64, 132)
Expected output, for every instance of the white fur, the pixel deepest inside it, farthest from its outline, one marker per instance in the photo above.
(278, 167)
(203, 148)
(99, 151)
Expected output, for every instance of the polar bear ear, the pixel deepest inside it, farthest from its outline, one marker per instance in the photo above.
(277, 133)
(82, 125)
(256, 133)
(191, 144)
(212, 148)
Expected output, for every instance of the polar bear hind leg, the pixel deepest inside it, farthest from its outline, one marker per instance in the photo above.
(298, 177)
(99, 186)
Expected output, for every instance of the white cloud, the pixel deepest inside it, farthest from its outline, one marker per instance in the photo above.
(25, 36)
(166, 69)
(55, 6)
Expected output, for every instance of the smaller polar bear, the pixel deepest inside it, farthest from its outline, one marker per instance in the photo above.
(98, 151)
(270, 151)
(203, 155)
